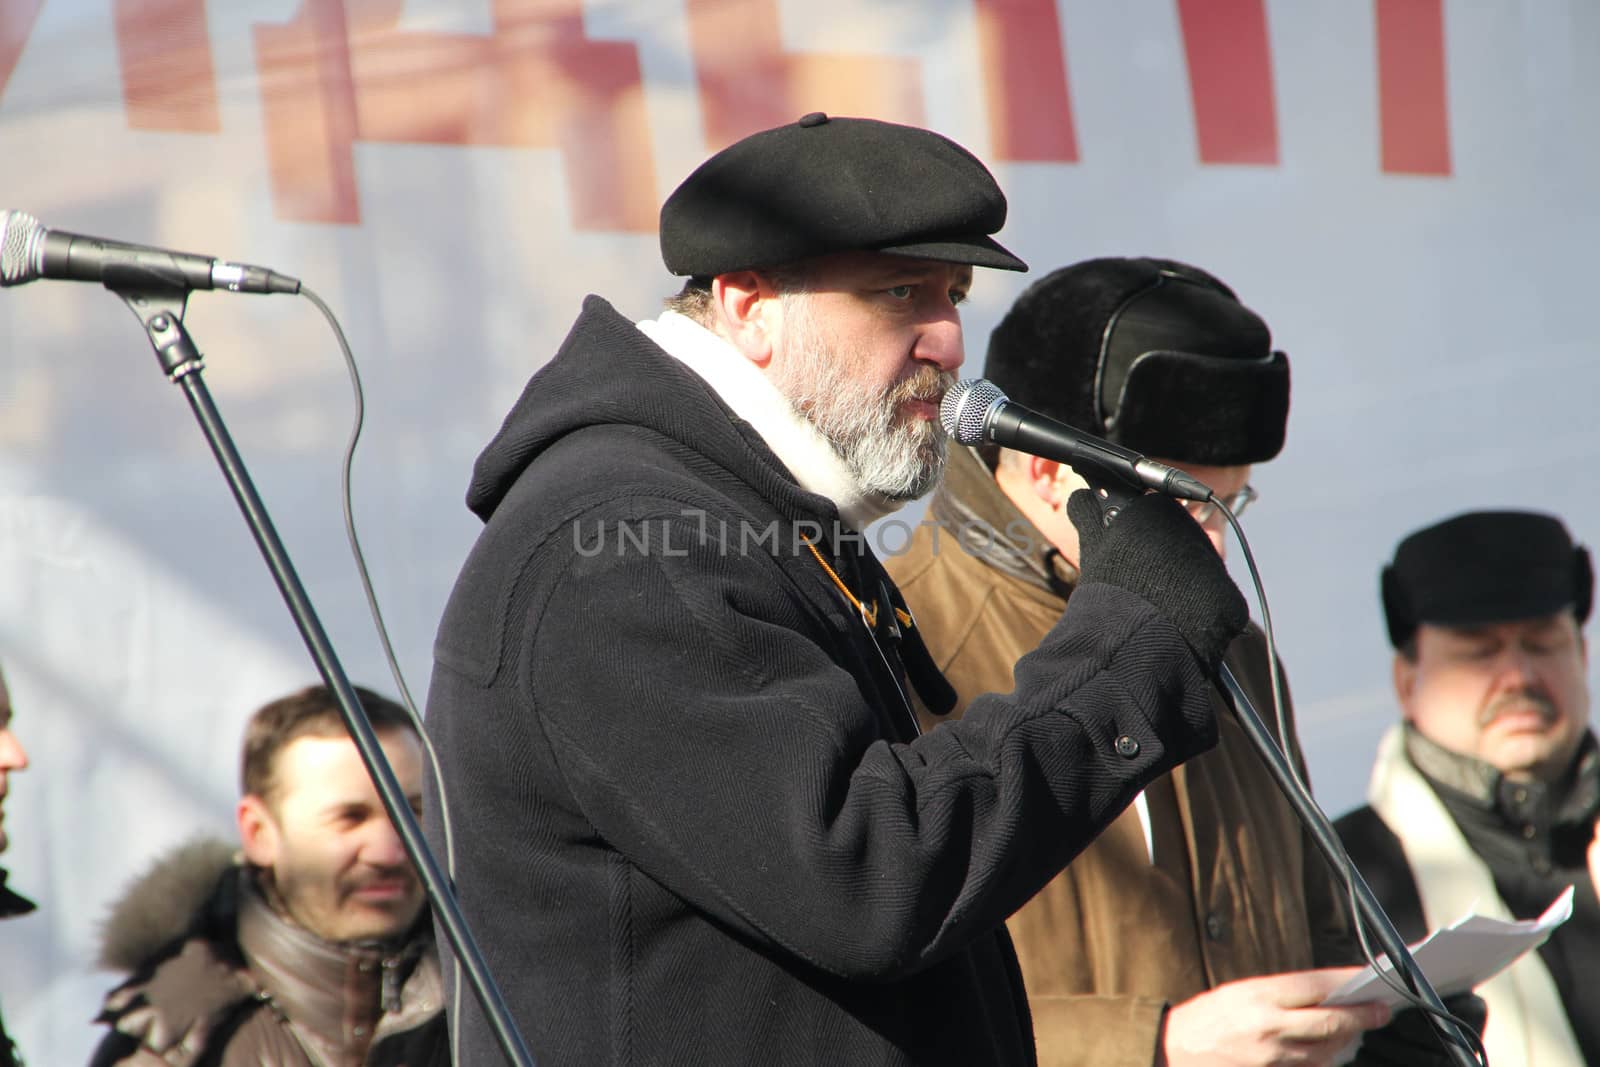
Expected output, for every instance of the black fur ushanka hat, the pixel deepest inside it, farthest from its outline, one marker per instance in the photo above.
(1153, 354)
(1483, 567)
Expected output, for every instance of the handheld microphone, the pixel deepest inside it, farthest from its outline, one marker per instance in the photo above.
(976, 412)
(29, 251)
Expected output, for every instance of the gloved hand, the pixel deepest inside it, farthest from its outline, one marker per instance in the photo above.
(1155, 550)
(1409, 1038)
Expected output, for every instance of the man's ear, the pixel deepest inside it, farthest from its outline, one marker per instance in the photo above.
(745, 302)
(1053, 482)
(258, 831)
(1043, 474)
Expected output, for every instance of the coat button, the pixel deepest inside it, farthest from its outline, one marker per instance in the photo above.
(1127, 747)
(1216, 929)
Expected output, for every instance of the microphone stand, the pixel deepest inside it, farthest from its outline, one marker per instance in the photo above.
(160, 312)
(1322, 832)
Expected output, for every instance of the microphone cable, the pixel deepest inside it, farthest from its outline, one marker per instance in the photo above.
(346, 498)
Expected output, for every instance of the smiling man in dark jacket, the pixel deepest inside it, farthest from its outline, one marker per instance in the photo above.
(307, 944)
(693, 818)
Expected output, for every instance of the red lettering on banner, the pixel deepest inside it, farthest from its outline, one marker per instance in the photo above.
(169, 81)
(329, 80)
(1230, 80)
(1413, 115)
(308, 114)
(1025, 81)
(16, 22)
(345, 71)
(749, 83)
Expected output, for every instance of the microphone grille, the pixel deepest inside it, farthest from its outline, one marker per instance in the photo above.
(964, 412)
(20, 241)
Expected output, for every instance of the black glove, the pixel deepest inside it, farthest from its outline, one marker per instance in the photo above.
(1155, 550)
(1409, 1037)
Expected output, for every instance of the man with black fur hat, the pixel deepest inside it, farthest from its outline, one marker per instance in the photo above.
(694, 820)
(1188, 931)
(1484, 798)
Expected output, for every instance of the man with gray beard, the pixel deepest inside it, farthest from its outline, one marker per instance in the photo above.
(695, 822)
(1485, 797)
(898, 458)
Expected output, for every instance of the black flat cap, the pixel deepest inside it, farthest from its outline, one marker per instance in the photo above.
(1485, 567)
(823, 185)
(1154, 354)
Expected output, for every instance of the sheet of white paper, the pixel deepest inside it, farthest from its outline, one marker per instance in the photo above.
(1459, 956)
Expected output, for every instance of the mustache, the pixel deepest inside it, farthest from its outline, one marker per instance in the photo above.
(383, 876)
(1508, 703)
(925, 383)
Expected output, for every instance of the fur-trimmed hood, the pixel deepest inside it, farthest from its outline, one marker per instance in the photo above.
(218, 976)
(165, 903)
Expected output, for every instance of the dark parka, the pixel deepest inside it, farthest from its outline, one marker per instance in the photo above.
(1455, 830)
(220, 980)
(12, 904)
(692, 819)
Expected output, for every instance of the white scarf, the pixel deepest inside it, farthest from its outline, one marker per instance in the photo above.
(799, 444)
(1527, 1024)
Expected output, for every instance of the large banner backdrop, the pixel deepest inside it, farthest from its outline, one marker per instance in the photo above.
(1404, 189)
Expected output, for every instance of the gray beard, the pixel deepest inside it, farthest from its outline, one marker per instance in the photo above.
(895, 460)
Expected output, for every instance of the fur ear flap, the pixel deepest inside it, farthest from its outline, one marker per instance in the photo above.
(1045, 352)
(1397, 614)
(1204, 409)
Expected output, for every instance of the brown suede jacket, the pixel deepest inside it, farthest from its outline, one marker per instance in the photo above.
(219, 977)
(1234, 889)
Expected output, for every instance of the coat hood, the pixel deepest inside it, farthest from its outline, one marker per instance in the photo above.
(165, 903)
(607, 372)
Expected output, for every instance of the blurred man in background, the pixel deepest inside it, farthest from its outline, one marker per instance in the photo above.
(1484, 797)
(316, 949)
(12, 758)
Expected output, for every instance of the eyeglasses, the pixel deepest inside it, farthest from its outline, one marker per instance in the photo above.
(1202, 510)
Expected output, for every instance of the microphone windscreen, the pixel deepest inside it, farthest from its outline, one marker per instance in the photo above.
(20, 234)
(964, 411)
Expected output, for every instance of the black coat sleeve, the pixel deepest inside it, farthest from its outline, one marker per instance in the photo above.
(698, 720)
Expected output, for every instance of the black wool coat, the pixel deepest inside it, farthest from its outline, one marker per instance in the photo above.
(691, 818)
